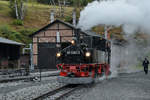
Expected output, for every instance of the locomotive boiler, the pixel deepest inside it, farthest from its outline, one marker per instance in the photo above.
(84, 59)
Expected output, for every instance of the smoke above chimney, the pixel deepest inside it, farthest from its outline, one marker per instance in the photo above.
(132, 15)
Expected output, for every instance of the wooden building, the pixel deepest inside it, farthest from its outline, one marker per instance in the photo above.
(48, 40)
(9, 53)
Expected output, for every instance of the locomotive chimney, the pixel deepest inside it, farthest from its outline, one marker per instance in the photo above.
(77, 35)
(74, 17)
(52, 16)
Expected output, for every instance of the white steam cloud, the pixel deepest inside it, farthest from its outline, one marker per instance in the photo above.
(133, 15)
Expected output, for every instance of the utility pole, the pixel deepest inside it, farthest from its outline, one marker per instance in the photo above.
(106, 33)
(31, 67)
(106, 29)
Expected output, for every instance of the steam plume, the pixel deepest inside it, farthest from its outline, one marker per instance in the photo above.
(133, 15)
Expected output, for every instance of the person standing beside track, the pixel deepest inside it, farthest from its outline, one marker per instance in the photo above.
(145, 65)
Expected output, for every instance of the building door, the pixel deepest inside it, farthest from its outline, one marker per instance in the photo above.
(47, 55)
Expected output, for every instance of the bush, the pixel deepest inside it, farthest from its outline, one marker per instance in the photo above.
(5, 29)
(17, 22)
(21, 36)
(68, 19)
(7, 32)
(27, 32)
(24, 35)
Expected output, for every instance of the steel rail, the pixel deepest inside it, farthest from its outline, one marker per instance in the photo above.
(68, 88)
(66, 94)
(22, 78)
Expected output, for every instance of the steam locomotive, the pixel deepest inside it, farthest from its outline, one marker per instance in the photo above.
(85, 59)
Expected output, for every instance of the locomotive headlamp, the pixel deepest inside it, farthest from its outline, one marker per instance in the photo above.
(72, 42)
(87, 54)
(58, 54)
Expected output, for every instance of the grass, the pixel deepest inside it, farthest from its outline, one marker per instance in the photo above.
(4, 12)
(38, 15)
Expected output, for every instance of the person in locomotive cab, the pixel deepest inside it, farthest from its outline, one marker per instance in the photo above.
(145, 65)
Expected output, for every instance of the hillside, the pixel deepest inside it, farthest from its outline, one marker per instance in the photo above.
(37, 16)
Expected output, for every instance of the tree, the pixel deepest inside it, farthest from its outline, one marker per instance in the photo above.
(71, 2)
(18, 8)
(80, 2)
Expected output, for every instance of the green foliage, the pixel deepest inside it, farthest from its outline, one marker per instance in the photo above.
(68, 19)
(44, 1)
(17, 8)
(7, 32)
(17, 22)
(24, 35)
(72, 2)
(85, 2)
(5, 29)
(27, 32)
(21, 36)
(79, 2)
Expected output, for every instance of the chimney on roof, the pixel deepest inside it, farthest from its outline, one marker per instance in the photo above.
(74, 17)
(52, 16)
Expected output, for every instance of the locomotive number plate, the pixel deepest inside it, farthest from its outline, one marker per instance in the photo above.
(73, 52)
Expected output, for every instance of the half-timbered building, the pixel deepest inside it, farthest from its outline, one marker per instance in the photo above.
(48, 40)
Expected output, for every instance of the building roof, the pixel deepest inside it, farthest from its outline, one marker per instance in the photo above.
(91, 33)
(69, 25)
(56, 21)
(7, 41)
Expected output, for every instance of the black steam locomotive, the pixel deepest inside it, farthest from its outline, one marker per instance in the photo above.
(86, 58)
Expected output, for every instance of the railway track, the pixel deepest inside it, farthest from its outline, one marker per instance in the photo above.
(58, 93)
(22, 78)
